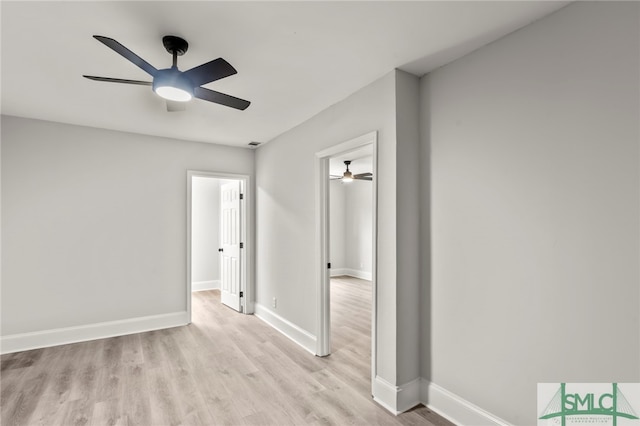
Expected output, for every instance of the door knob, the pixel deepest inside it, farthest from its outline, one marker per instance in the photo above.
(220, 249)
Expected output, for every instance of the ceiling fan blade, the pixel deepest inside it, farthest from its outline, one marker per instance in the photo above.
(359, 175)
(129, 55)
(220, 98)
(173, 106)
(117, 80)
(363, 177)
(211, 71)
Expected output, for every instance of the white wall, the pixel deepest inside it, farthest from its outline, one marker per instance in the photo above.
(94, 222)
(534, 186)
(205, 222)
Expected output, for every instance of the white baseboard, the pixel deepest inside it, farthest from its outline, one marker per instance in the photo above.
(338, 271)
(62, 336)
(289, 329)
(397, 399)
(363, 275)
(455, 408)
(385, 394)
(409, 395)
(205, 285)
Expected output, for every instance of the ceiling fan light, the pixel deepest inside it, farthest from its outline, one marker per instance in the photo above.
(170, 84)
(173, 93)
(347, 177)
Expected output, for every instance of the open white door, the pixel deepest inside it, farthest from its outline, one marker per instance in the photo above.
(230, 247)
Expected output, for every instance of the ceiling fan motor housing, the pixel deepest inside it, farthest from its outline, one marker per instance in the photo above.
(175, 44)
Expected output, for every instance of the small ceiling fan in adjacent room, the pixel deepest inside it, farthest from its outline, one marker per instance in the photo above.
(176, 86)
(347, 176)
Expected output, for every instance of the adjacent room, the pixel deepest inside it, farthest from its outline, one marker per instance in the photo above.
(373, 212)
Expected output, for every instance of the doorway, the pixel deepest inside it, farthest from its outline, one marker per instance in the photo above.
(323, 238)
(217, 238)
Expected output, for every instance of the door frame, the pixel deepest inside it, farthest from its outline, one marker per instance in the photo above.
(323, 346)
(246, 236)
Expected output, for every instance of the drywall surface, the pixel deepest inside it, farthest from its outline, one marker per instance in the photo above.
(359, 226)
(286, 211)
(534, 210)
(351, 227)
(337, 223)
(205, 223)
(408, 224)
(94, 222)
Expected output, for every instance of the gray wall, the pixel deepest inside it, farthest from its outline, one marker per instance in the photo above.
(337, 224)
(94, 222)
(407, 106)
(359, 225)
(286, 209)
(351, 225)
(528, 193)
(534, 196)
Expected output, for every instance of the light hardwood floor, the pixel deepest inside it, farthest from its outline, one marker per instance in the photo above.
(223, 369)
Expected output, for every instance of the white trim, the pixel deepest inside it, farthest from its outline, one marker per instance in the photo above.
(83, 333)
(350, 145)
(336, 272)
(455, 408)
(205, 285)
(363, 275)
(409, 395)
(323, 327)
(289, 329)
(397, 399)
(385, 394)
(374, 261)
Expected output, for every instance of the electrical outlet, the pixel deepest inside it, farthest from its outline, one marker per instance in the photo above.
(274, 302)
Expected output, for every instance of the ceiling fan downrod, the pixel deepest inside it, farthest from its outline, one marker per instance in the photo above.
(176, 46)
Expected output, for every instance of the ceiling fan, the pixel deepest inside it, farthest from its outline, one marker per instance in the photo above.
(172, 84)
(347, 176)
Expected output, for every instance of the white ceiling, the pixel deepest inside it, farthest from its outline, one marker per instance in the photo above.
(361, 161)
(294, 59)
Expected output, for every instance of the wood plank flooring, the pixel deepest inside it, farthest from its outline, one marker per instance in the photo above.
(223, 369)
